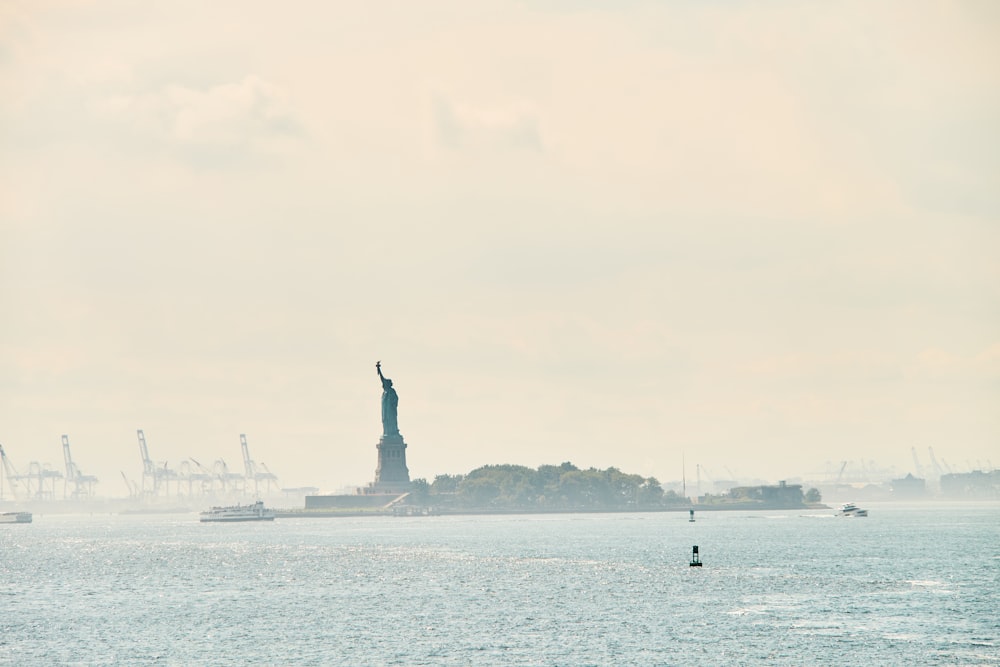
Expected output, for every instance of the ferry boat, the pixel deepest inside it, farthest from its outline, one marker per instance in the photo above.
(254, 512)
(15, 517)
(850, 509)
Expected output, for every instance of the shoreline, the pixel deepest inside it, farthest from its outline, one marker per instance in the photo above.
(429, 511)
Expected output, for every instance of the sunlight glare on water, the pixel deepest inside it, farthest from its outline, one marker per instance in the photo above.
(913, 585)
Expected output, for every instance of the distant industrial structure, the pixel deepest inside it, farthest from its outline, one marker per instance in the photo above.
(909, 487)
(782, 495)
(158, 479)
(975, 485)
(932, 478)
(39, 483)
(83, 485)
(251, 470)
(191, 478)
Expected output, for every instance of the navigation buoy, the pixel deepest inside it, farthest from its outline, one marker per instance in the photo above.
(695, 560)
(691, 520)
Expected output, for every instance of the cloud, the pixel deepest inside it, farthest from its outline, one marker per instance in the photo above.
(467, 126)
(730, 224)
(938, 363)
(11, 30)
(251, 115)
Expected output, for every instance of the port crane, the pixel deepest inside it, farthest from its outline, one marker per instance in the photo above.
(42, 473)
(10, 472)
(251, 472)
(200, 475)
(151, 471)
(133, 488)
(83, 485)
(218, 473)
(148, 467)
(37, 472)
(220, 469)
(699, 471)
(840, 475)
(918, 469)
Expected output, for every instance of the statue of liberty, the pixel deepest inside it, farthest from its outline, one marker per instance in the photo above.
(390, 402)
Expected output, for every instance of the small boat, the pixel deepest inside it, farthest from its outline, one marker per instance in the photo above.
(254, 512)
(850, 509)
(15, 517)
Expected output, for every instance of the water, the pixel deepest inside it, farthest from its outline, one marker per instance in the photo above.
(908, 585)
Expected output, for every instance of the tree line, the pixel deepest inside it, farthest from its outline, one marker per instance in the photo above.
(554, 487)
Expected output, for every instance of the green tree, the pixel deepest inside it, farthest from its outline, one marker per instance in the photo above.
(479, 491)
(420, 491)
(583, 488)
(813, 495)
(671, 497)
(510, 486)
(446, 484)
(650, 492)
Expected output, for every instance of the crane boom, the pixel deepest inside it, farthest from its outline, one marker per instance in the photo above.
(132, 490)
(11, 473)
(251, 468)
(147, 463)
(934, 462)
(71, 471)
(151, 470)
(247, 463)
(72, 474)
(7, 465)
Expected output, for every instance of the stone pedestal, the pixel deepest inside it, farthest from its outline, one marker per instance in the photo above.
(391, 475)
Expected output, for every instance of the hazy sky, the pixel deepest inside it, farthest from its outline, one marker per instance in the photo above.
(763, 234)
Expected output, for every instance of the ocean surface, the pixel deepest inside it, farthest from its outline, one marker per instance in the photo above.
(913, 585)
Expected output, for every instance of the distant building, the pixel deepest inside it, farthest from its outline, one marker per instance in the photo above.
(909, 487)
(782, 495)
(976, 485)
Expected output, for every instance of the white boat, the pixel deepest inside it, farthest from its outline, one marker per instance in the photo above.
(850, 509)
(15, 517)
(254, 512)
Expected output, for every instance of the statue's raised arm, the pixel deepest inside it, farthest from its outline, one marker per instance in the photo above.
(386, 382)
